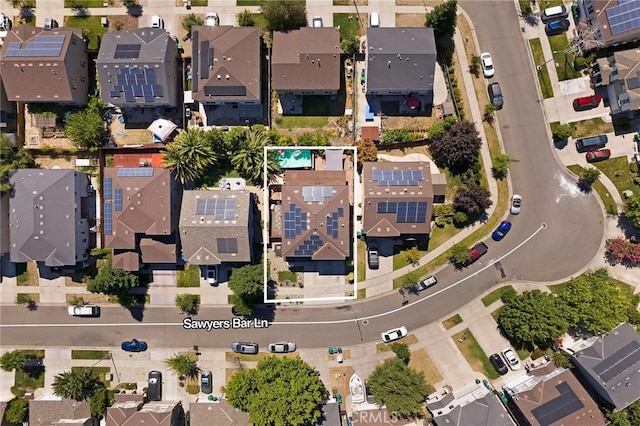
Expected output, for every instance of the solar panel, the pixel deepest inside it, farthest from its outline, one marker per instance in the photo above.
(204, 60)
(108, 219)
(316, 193)
(128, 95)
(157, 91)
(135, 172)
(411, 212)
(137, 91)
(397, 177)
(221, 208)
(225, 90)
(309, 247)
(41, 45)
(387, 207)
(340, 212)
(624, 17)
(118, 200)
(127, 51)
(107, 189)
(295, 221)
(227, 245)
(618, 362)
(559, 407)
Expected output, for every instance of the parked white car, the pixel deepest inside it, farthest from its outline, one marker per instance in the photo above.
(516, 203)
(211, 19)
(5, 25)
(394, 334)
(487, 65)
(157, 21)
(512, 360)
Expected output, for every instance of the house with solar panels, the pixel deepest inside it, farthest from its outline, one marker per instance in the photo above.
(552, 396)
(619, 75)
(398, 199)
(611, 366)
(478, 408)
(139, 217)
(55, 59)
(314, 220)
(604, 23)
(51, 212)
(139, 68)
(217, 226)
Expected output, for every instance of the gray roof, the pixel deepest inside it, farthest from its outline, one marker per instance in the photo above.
(613, 362)
(484, 411)
(401, 59)
(216, 413)
(215, 226)
(330, 415)
(46, 215)
(48, 412)
(151, 53)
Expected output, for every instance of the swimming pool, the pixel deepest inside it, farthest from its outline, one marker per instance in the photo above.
(294, 158)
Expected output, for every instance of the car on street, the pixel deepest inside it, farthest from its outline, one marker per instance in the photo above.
(394, 334)
(599, 155)
(487, 64)
(317, 22)
(212, 275)
(154, 386)
(495, 95)
(510, 357)
(586, 102)
(157, 21)
(211, 19)
(516, 203)
(498, 364)
(282, 347)
(134, 345)
(425, 284)
(245, 347)
(206, 381)
(373, 255)
(501, 230)
(557, 27)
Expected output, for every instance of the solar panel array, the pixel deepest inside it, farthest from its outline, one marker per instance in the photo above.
(308, 247)
(624, 17)
(559, 407)
(406, 211)
(332, 222)
(134, 83)
(108, 219)
(227, 245)
(118, 200)
(316, 193)
(127, 51)
(108, 194)
(397, 177)
(633, 82)
(618, 362)
(135, 172)
(295, 221)
(41, 45)
(221, 208)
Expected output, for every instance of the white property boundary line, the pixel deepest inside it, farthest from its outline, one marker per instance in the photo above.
(267, 222)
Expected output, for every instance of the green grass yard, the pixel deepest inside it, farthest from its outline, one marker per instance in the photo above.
(543, 73)
(591, 127)
(88, 354)
(73, 4)
(497, 294)
(564, 61)
(98, 372)
(349, 28)
(90, 25)
(617, 170)
(473, 353)
(302, 122)
(190, 277)
(609, 204)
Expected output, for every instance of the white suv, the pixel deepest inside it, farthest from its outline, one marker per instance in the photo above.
(211, 19)
(5, 25)
(157, 21)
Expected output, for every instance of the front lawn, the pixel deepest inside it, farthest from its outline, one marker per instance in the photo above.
(88, 354)
(76, 4)
(541, 68)
(473, 353)
(291, 122)
(591, 127)
(497, 294)
(564, 61)
(452, 322)
(190, 277)
(90, 25)
(98, 372)
(609, 204)
(247, 2)
(349, 25)
(361, 267)
(399, 253)
(617, 170)
(420, 361)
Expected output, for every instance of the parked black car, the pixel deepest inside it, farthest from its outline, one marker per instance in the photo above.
(498, 364)
(154, 386)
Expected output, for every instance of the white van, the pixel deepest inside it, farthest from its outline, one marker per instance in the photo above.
(5, 25)
(84, 311)
(554, 13)
(374, 19)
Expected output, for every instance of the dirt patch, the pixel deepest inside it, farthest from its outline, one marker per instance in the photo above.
(90, 298)
(420, 361)
(410, 19)
(401, 152)
(340, 380)
(413, 123)
(409, 340)
(32, 275)
(62, 162)
(122, 23)
(346, 354)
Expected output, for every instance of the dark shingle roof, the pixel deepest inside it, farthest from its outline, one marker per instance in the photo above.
(487, 410)
(47, 412)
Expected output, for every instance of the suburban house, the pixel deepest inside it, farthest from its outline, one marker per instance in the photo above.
(305, 62)
(139, 68)
(129, 410)
(552, 396)
(619, 73)
(314, 220)
(611, 366)
(479, 408)
(53, 411)
(140, 206)
(604, 23)
(41, 65)
(400, 69)
(218, 413)
(398, 198)
(51, 213)
(217, 226)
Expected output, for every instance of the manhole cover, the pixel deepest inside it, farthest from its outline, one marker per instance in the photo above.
(365, 322)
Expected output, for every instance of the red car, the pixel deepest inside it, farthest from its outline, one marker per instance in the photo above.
(599, 155)
(587, 102)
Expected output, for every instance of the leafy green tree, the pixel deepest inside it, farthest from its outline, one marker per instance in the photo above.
(443, 18)
(77, 384)
(412, 255)
(633, 413)
(284, 15)
(247, 285)
(562, 132)
(457, 148)
(501, 164)
(489, 114)
(473, 200)
(591, 174)
(245, 19)
(84, 127)
(221, 142)
(23, 299)
(13, 360)
(249, 158)
(112, 281)
(402, 352)
(402, 389)
(188, 303)
(618, 418)
(17, 411)
(367, 150)
(12, 158)
(182, 365)
(189, 155)
(314, 139)
(459, 254)
(533, 317)
(350, 45)
(632, 209)
(280, 391)
(436, 130)
(75, 301)
(100, 401)
(191, 20)
(561, 359)
(474, 65)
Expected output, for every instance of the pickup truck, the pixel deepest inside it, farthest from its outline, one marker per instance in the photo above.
(374, 257)
(84, 311)
(476, 252)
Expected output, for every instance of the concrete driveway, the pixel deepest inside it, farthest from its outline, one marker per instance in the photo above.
(386, 257)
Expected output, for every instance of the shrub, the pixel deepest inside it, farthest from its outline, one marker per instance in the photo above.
(537, 353)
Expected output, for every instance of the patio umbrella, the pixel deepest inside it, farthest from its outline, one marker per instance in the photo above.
(413, 102)
(162, 128)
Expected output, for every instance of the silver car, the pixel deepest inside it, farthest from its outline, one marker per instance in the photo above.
(206, 379)
(245, 348)
(516, 203)
(282, 347)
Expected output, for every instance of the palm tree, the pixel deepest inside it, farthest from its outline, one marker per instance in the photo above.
(75, 384)
(182, 365)
(249, 159)
(189, 156)
(190, 21)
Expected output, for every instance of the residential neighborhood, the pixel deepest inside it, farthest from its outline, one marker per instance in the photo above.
(335, 213)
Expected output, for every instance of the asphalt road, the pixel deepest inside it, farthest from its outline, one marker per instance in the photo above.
(562, 228)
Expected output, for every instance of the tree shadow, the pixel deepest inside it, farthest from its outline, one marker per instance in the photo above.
(584, 186)
(81, 11)
(32, 306)
(134, 10)
(530, 19)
